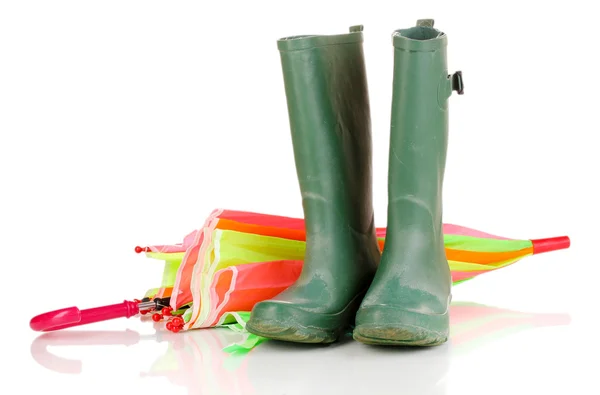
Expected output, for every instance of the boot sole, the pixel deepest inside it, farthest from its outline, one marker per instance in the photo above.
(279, 331)
(385, 325)
(400, 335)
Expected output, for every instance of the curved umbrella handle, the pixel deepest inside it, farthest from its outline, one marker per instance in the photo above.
(72, 316)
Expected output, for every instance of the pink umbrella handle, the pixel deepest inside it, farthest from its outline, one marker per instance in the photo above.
(72, 316)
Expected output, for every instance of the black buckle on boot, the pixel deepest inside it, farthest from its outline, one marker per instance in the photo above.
(457, 82)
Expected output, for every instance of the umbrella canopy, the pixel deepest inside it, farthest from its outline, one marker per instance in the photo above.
(240, 258)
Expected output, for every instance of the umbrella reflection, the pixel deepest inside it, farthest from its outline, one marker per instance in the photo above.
(195, 359)
(41, 354)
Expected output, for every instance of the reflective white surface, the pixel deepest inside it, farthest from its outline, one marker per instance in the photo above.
(498, 349)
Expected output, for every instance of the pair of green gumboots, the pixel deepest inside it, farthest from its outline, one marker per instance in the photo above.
(400, 296)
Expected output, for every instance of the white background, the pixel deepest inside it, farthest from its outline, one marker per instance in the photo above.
(127, 122)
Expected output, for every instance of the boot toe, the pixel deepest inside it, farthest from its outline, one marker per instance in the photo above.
(288, 322)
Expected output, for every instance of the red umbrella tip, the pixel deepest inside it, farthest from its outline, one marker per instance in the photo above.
(139, 249)
(551, 244)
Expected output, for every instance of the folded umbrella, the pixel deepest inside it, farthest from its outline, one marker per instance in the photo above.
(237, 259)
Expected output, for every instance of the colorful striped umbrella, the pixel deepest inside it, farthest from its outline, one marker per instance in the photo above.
(217, 274)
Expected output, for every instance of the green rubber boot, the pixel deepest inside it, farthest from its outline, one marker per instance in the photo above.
(408, 302)
(328, 105)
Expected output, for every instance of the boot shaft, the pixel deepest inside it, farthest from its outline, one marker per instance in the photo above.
(328, 104)
(419, 126)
